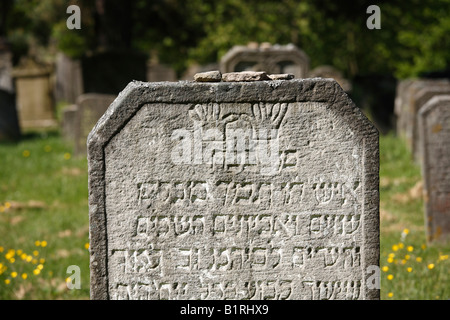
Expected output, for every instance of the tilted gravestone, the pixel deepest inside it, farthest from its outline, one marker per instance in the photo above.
(434, 129)
(420, 98)
(90, 108)
(273, 59)
(243, 190)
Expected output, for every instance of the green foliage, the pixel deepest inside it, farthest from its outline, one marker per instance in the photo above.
(411, 39)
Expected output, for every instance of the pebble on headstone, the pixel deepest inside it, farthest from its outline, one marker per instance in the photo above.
(245, 76)
(209, 76)
(281, 76)
(243, 190)
(434, 129)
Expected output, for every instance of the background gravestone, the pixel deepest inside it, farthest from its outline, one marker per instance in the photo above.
(9, 123)
(265, 57)
(34, 95)
(420, 98)
(177, 213)
(68, 78)
(333, 73)
(407, 112)
(90, 108)
(68, 122)
(434, 121)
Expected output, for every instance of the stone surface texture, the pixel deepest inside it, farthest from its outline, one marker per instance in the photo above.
(209, 76)
(218, 224)
(434, 129)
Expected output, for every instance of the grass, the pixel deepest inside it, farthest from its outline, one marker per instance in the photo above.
(44, 215)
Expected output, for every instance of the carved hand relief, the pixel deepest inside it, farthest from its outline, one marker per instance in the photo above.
(248, 200)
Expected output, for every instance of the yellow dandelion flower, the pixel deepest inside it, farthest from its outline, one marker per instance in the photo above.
(26, 153)
(407, 257)
(23, 256)
(390, 294)
(419, 259)
(403, 261)
(2, 209)
(42, 260)
(385, 268)
(12, 260)
(36, 272)
(35, 253)
(2, 249)
(405, 231)
(410, 248)
(409, 269)
(7, 205)
(86, 245)
(68, 280)
(29, 258)
(390, 260)
(391, 255)
(395, 247)
(443, 257)
(67, 156)
(37, 243)
(423, 247)
(390, 277)
(401, 245)
(7, 281)
(44, 244)
(40, 266)
(24, 276)
(19, 252)
(13, 274)
(430, 266)
(34, 261)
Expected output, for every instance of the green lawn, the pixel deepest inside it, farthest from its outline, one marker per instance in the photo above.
(44, 223)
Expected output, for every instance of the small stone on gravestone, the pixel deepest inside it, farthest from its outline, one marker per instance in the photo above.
(210, 76)
(434, 129)
(282, 76)
(234, 191)
(245, 76)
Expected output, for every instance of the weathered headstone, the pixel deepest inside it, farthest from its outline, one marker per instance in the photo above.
(274, 59)
(68, 123)
(159, 72)
(333, 73)
(234, 190)
(34, 95)
(9, 123)
(434, 125)
(420, 98)
(90, 108)
(400, 105)
(68, 79)
(407, 110)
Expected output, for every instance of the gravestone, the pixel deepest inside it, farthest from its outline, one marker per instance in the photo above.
(68, 79)
(34, 95)
(158, 72)
(333, 73)
(434, 125)
(400, 105)
(420, 98)
(234, 190)
(9, 123)
(90, 108)
(274, 59)
(68, 123)
(407, 111)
